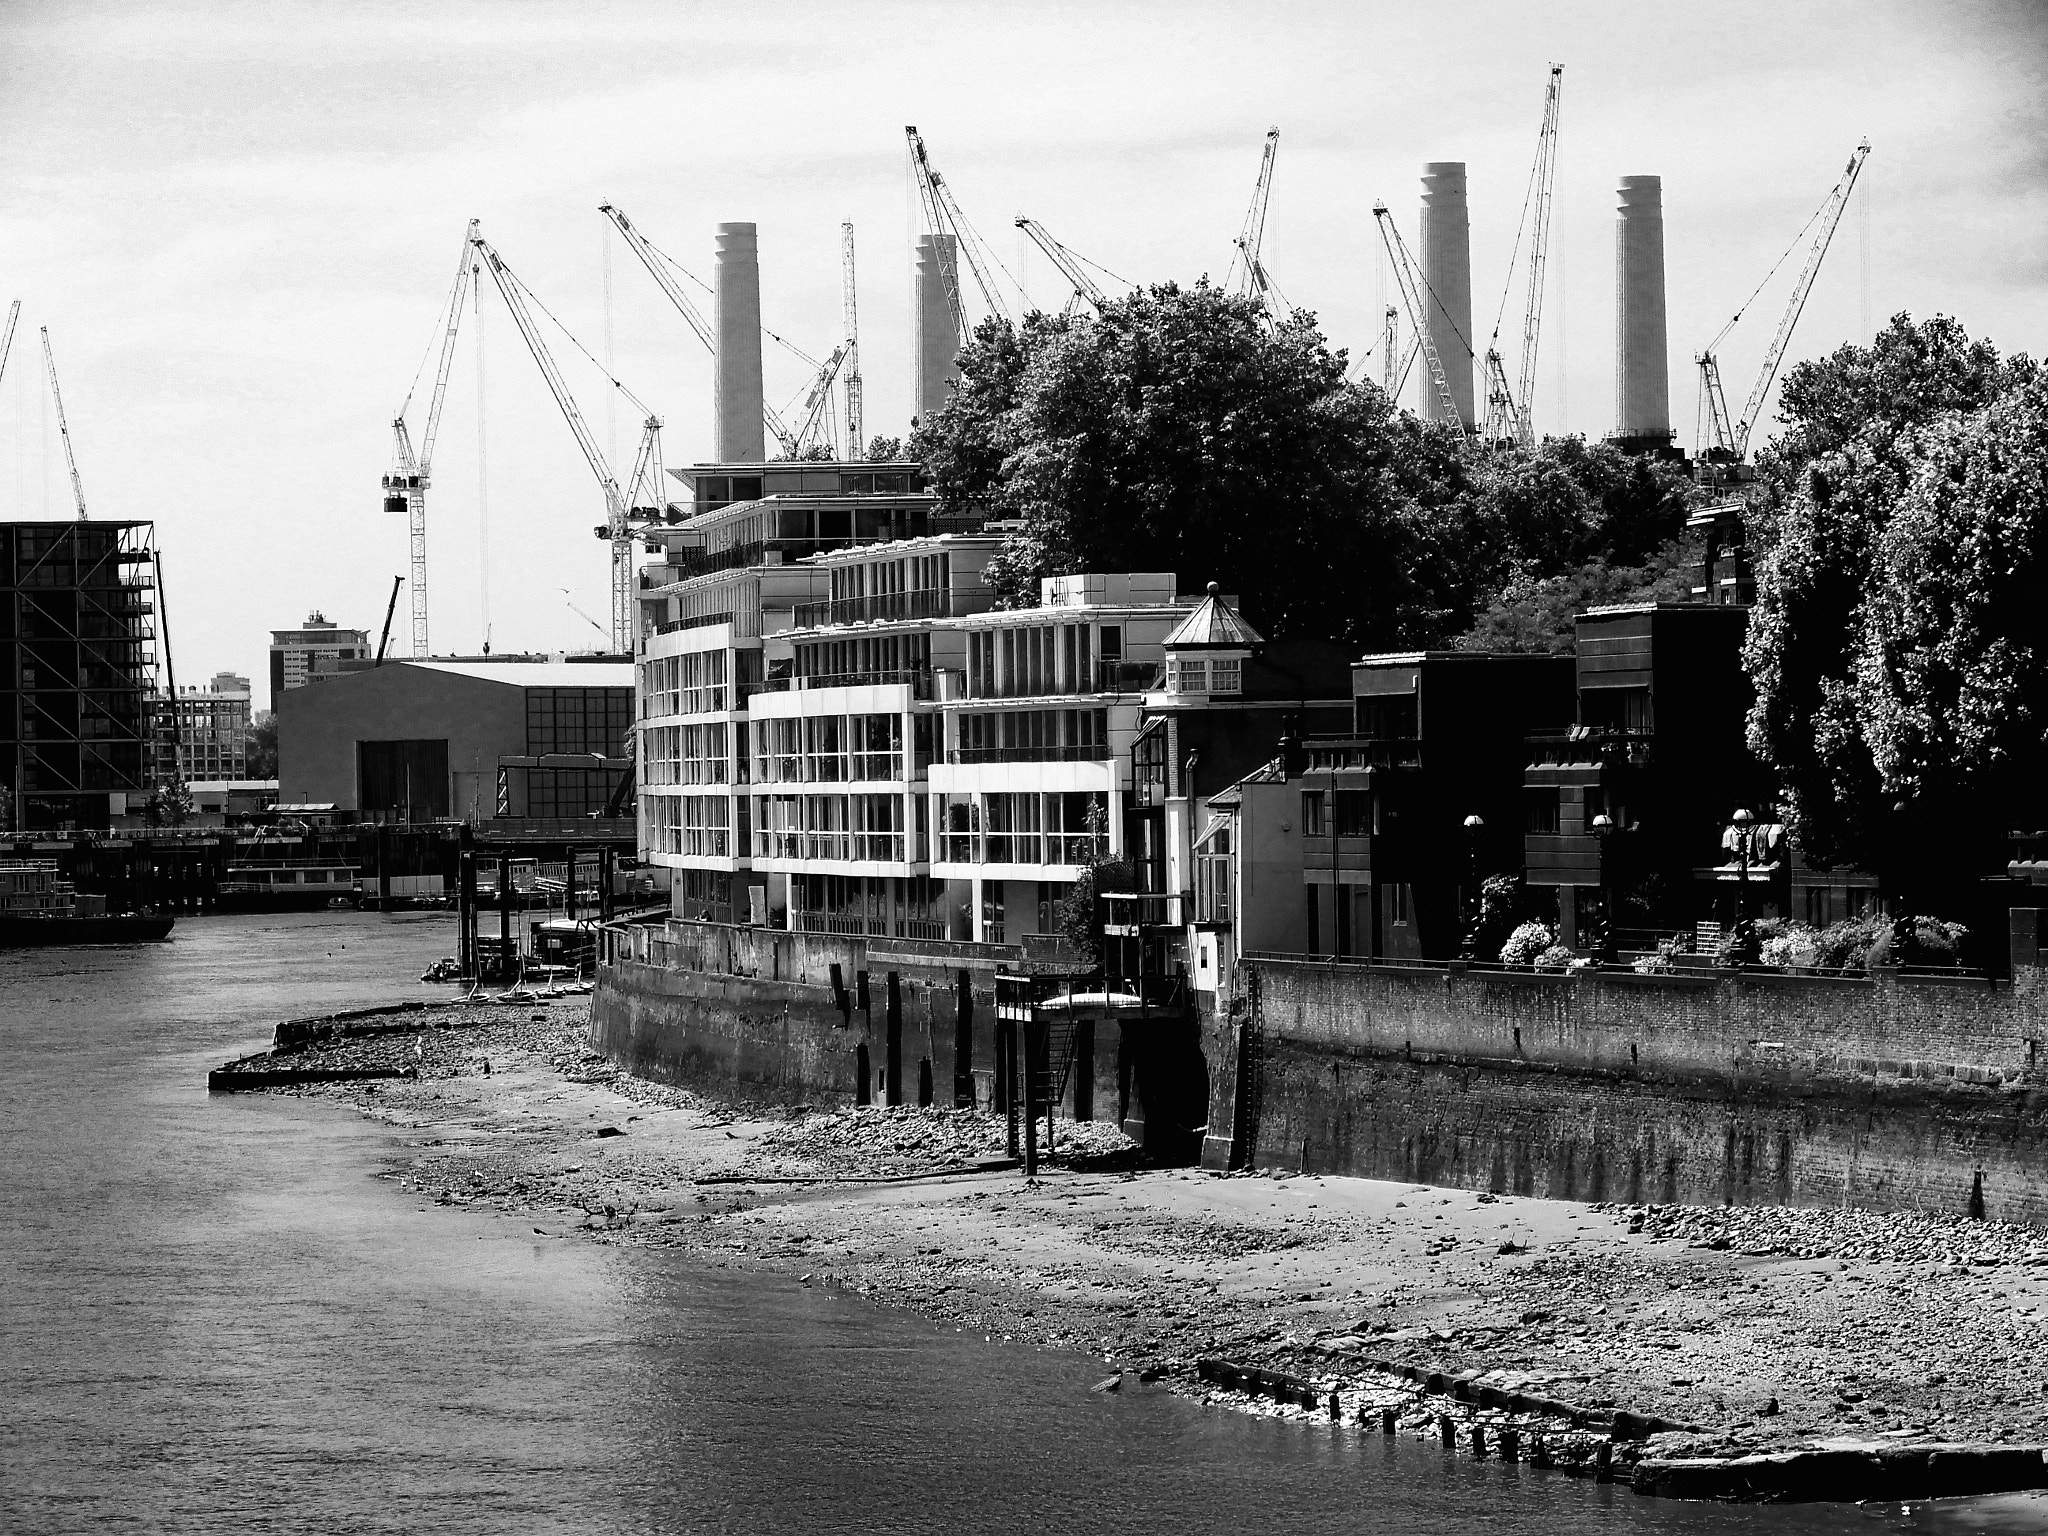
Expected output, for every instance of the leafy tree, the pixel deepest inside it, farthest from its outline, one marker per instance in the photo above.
(1539, 614)
(1179, 431)
(263, 746)
(885, 449)
(170, 805)
(1830, 486)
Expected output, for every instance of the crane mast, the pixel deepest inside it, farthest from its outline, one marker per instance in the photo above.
(1256, 282)
(1830, 218)
(1730, 442)
(942, 216)
(1068, 265)
(1410, 282)
(7, 340)
(856, 445)
(405, 487)
(1543, 179)
(63, 428)
(663, 271)
(1390, 343)
(617, 526)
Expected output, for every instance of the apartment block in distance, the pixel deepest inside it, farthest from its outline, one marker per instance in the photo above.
(213, 730)
(317, 645)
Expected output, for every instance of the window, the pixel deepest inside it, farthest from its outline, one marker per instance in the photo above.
(1540, 811)
(1397, 905)
(1388, 718)
(1617, 709)
(1227, 676)
(1312, 814)
(1354, 812)
(1186, 675)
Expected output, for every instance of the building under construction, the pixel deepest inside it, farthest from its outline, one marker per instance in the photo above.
(77, 669)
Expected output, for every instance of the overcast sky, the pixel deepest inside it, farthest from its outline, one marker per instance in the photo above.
(239, 222)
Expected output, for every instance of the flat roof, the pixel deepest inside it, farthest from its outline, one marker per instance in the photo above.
(527, 674)
(891, 547)
(857, 466)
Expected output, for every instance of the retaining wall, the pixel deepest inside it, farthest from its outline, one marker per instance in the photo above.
(1887, 1093)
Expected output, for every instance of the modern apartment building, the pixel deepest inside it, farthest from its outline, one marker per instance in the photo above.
(717, 612)
(1038, 732)
(213, 729)
(316, 645)
(77, 665)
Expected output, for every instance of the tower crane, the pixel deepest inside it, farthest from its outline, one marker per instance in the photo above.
(942, 216)
(7, 339)
(617, 527)
(405, 486)
(1256, 281)
(856, 445)
(63, 429)
(1411, 283)
(1730, 439)
(662, 268)
(1067, 263)
(1510, 410)
(1390, 344)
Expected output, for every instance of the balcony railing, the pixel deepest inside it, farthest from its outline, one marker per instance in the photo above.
(919, 679)
(1088, 752)
(1553, 749)
(695, 621)
(927, 603)
(1065, 848)
(1364, 752)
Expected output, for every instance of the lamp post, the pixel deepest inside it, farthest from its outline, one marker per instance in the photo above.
(1475, 826)
(1603, 941)
(1743, 950)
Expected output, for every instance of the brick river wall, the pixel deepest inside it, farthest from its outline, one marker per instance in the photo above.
(1886, 1093)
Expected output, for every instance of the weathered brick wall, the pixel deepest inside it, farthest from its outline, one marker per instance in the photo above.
(1886, 1094)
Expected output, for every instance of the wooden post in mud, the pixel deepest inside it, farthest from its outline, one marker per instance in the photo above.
(1027, 1037)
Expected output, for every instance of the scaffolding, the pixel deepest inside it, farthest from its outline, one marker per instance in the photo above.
(81, 717)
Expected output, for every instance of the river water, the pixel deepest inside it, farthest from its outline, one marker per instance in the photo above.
(214, 1317)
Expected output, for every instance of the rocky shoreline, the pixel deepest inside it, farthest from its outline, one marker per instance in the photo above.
(1684, 1341)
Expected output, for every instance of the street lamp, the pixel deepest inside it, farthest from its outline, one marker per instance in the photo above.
(1603, 941)
(1744, 948)
(1475, 825)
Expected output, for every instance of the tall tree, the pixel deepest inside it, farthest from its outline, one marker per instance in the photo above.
(1860, 429)
(1179, 431)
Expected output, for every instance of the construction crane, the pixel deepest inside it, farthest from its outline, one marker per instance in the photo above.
(1390, 346)
(1412, 283)
(1729, 439)
(856, 446)
(617, 526)
(63, 429)
(1256, 282)
(942, 216)
(405, 487)
(663, 269)
(1066, 262)
(390, 610)
(1542, 180)
(7, 340)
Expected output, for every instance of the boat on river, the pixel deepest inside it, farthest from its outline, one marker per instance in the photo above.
(39, 909)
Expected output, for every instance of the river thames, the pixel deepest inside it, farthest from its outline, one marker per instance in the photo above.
(215, 1315)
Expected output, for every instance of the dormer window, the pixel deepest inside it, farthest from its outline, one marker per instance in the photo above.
(1187, 675)
(1226, 676)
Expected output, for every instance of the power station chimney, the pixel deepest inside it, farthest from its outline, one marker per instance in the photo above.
(1642, 373)
(1447, 269)
(934, 334)
(736, 433)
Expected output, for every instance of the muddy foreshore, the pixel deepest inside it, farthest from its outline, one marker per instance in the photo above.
(1761, 1331)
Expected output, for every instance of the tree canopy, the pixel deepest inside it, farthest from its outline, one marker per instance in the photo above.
(1895, 644)
(1181, 430)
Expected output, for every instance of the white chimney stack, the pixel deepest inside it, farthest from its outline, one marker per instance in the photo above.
(1447, 270)
(736, 430)
(1642, 373)
(935, 335)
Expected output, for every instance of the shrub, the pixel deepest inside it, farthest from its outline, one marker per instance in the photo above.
(1740, 944)
(1786, 942)
(1525, 944)
(1661, 963)
(1555, 958)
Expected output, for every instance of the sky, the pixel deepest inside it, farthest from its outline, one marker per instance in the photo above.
(240, 223)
